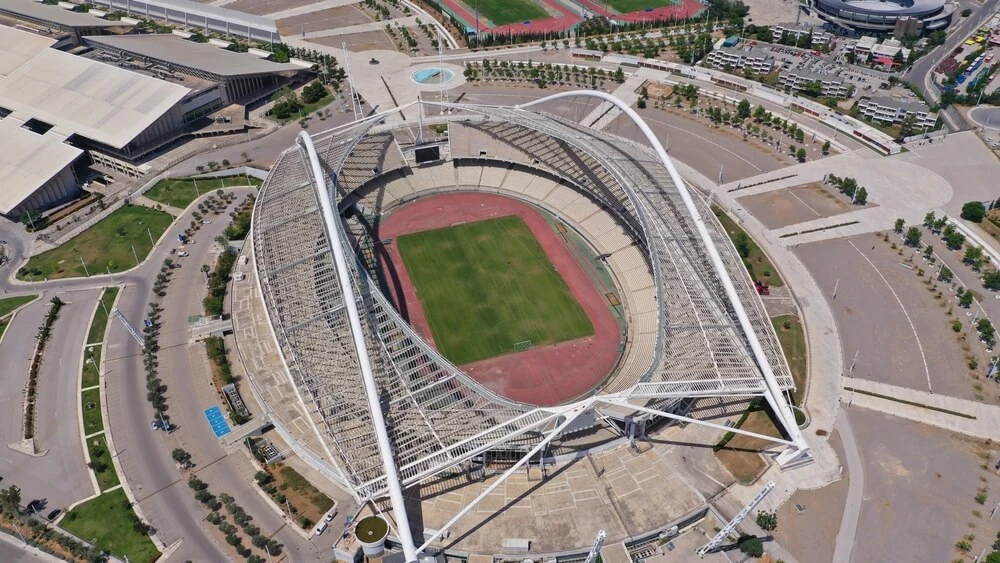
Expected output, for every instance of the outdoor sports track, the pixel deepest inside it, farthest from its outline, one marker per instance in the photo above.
(546, 375)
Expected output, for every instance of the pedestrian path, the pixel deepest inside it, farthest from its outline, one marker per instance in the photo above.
(606, 112)
(958, 415)
(309, 8)
(410, 21)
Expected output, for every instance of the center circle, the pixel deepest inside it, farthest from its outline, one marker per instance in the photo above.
(432, 75)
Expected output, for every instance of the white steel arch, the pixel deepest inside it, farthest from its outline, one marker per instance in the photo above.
(774, 395)
(329, 212)
(321, 177)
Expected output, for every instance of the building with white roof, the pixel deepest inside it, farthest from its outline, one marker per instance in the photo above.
(205, 17)
(735, 57)
(891, 110)
(36, 170)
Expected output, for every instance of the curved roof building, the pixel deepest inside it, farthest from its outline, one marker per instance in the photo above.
(882, 15)
(385, 409)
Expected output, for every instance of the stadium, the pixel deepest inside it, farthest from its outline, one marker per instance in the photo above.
(867, 16)
(494, 288)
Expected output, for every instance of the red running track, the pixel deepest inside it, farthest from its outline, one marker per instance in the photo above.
(564, 22)
(685, 9)
(546, 375)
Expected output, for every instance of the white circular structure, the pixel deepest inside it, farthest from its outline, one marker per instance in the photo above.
(390, 411)
(882, 15)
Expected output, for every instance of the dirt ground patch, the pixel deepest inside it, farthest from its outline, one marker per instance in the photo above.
(367, 41)
(780, 208)
(331, 18)
(742, 454)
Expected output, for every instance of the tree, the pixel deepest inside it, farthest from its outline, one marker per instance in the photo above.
(800, 155)
(313, 92)
(742, 243)
(966, 12)
(955, 240)
(973, 257)
(826, 148)
(768, 521)
(974, 211)
(10, 500)
(912, 237)
(898, 226)
(965, 300)
(743, 109)
(759, 113)
(641, 104)
(929, 220)
(991, 280)
(182, 457)
(751, 545)
(945, 275)
(619, 75)
(909, 124)
(861, 196)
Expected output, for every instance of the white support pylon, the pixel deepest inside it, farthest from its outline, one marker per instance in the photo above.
(596, 549)
(728, 528)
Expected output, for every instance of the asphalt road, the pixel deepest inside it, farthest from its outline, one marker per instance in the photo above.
(59, 477)
(11, 551)
(922, 71)
(57, 422)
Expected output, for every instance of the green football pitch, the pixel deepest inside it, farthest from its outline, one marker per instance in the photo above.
(627, 6)
(487, 286)
(503, 12)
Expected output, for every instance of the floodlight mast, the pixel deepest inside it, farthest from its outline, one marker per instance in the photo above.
(329, 213)
(775, 397)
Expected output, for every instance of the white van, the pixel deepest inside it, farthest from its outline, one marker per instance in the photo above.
(322, 527)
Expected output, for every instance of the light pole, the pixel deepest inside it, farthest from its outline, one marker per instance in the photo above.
(835, 285)
(85, 270)
(134, 255)
(150, 233)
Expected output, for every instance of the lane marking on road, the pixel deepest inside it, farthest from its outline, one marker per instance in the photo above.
(920, 347)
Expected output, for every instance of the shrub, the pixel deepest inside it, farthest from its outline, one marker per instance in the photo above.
(974, 211)
(751, 546)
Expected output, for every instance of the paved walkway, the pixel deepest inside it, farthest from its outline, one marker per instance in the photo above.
(308, 8)
(855, 491)
(606, 112)
(825, 357)
(985, 423)
(894, 189)
(362, 27)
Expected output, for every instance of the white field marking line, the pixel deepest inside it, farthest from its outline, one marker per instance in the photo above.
(755, 167)
(927, 370)
(793, 194)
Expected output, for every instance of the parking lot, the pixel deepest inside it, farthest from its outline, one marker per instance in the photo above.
(893, 327)
(918, 477)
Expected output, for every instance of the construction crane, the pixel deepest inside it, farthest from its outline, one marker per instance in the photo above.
(728, 528)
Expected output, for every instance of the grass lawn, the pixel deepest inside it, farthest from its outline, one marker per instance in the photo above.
(92, 422)
(740, 456)
(106, 245)
(307, 109)
(310, 501)
(503, 12)
(100, 322)
(8, 305)
(91, 375)
(108, 520)
(757, 263)
(626, 6)
(100, 455)
(487, 285)
(793, 343)
(181, 192)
